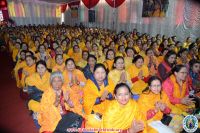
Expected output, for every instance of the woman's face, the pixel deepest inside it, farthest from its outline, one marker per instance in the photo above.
(57, 83)
(70, 65)
(150, 53)
(59, 60)
(29, 61)
(123, 95)
(130, 53)
(85, 55)
(171, 59)
(100, 74)
(196, 68)
(155, 86)
(139, 63)
(59, 51)
(24, 47)
(182, 74)
(184, 54)
(111, 55)
(42, 49)
(22, 55)
(55, 45)
(41, 69)
(94, 48)
(119, 64)
(91, 62)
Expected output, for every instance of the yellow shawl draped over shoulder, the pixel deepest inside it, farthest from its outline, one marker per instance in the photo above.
(91, 92)
(139, 85)
(40, 83)
(121, 117)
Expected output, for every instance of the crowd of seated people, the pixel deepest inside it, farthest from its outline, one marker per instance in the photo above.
(95, 79)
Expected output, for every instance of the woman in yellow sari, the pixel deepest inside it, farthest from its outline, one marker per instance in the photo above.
(123, 114)
(97, 92)
(155, 105)
(139, 74)
(130, 52)
(15, 51)
(36, 84)
(119, 74)
(77, 54)
(72, 75)
(151, 61)
(60, 64)
(29, 69)
(57, 108)
(110, 55)
(18, 67)
(177, 90)
(43, 55)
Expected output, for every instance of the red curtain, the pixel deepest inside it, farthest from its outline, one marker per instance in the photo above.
(3, 5)
(115, 3)
(90, 3)
(76, 3)
(63, 8)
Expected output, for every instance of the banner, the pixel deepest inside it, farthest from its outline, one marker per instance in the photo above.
(74, 12)
(155, 8)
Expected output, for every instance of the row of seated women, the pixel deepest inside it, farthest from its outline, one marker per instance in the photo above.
(127, 98)
(91, 99)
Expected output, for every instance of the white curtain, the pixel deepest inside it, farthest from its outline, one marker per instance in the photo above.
(25, 12)
(182, 18)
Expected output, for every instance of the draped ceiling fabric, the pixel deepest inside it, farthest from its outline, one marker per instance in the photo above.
(182, 18)
(90, 3)
(25, 12)
(114, 3)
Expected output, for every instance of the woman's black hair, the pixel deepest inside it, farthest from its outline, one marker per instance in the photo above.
(31, 56)
(70, 59)
(122, 85)
(127, 48)
(193, 61)
(91, 56)
(169, 53)
(177, 68)
(117, 58)
(109, 51)
(192, 45)
(30, 52)
(42, 63)
(181, 51)
(98, 65)
(137, 57)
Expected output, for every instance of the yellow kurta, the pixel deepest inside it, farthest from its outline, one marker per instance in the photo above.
(76, 74)
(147, 101)
(128, 62)
(82, 63)
(49, 114)
(60, 68)
(90, 93)
(121, 117)
(30, 70)
(15, 54)
(115, 75)
(19, 65)
(109, 64)
(139, 85)
(40, 83)
(152, 69)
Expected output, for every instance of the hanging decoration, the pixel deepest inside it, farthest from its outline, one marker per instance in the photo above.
(74, 4)
(115, 3)
(63, 8)
(90, 3)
